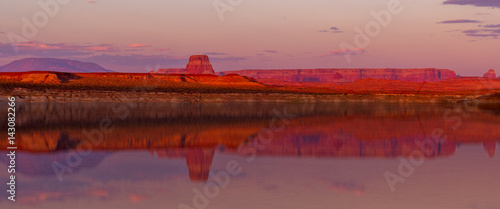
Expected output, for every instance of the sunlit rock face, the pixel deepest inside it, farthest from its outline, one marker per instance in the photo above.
(199, 64)
(347, 75)
(490, 74)
(170, 71)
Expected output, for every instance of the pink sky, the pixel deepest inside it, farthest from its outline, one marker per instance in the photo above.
(135, 36)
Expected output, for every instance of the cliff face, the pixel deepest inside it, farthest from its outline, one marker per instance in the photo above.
(199, 64)
(170, 71)
(348, 75)
(490, 74)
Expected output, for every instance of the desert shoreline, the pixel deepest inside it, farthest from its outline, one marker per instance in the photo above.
(59, 95)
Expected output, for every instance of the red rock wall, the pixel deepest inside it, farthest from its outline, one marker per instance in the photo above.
(490, 74)
(171, 70)
(199, 64)
(348, 75)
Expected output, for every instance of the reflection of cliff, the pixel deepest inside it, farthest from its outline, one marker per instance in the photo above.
(199, 162)
(340, 145)
(230, 126)
(490, 147)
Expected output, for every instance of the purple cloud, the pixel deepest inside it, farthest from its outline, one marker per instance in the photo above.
(215, 53)
(270, 51)
(35, 48)
(332, 30)
(484, 32)
(137, 60)
(342, 52)
(137, 45)
(458, 21)
(491, 26)
(477, 3)
(7, 50)
(227, 58)
(145, 60)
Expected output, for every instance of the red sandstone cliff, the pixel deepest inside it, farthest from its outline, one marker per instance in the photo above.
(170, 71)
(490, 74)
(346, 75)
(199, 64)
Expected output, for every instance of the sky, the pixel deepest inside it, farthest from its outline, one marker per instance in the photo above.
(138, 36)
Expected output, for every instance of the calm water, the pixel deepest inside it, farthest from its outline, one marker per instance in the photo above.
(339, 155)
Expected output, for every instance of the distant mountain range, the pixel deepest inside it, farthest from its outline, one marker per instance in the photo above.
(52, 64)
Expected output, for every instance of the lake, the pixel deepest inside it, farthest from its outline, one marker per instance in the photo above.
(254, 155)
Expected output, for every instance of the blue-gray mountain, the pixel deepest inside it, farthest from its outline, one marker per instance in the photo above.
(52, 64)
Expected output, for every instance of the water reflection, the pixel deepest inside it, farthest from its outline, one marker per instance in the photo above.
(161, 152)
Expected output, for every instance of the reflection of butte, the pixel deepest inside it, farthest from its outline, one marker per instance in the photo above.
(198, 160)
(490, 147)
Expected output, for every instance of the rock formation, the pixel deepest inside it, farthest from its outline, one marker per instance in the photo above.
(490, 74)
(170, 71)
(347, 75)
(489, 146)
(199, 162)
(41, 78)
(199, 64)
(52, 64)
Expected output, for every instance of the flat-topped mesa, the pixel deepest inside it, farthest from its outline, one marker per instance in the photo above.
(170, 71)
(490, 74)
(199, 64)
(348, 75)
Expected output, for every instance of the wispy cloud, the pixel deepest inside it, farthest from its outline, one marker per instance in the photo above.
(459, 21)
(137, 60)
(228, 58)
(491, 26)
(341, 52)
(215, 53)
(477, 3)
(485, 33)
(145, 60)
(332, 30)
(35, 48)
(136, 45)
(270, 51)
(163, 49)
(91, 2)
